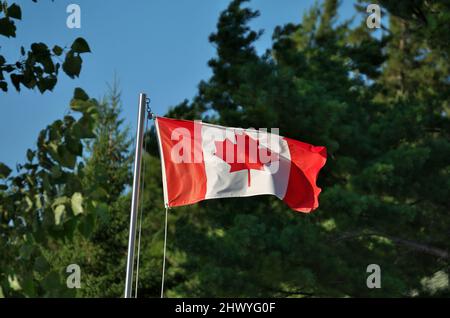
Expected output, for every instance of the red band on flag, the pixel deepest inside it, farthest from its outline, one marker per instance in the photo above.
(186, 179)
(306, 161)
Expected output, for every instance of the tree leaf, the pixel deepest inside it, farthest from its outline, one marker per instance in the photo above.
(59, 213)
(51, 282)
(72, 65)
(14, 12)
(16, 79)
(4, 171)
(30, 155)
(77, 203)
(87, 225)
(41, 265)
(39, 48)
(57, 50)
(80, 94)
(26, 250)
(67, 159)
(80, 46)
(14, 283)
(61, 200)
(4, 86)
(7, 27)
(46, 83)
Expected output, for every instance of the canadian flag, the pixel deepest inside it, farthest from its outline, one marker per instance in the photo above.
(203, 161)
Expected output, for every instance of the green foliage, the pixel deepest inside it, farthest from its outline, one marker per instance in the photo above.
(428, 20)
(379, 105)
(106, 173)
(43, 204)
(381, 108)
(39, 66)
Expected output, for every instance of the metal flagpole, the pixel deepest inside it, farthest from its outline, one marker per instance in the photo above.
(135, 195)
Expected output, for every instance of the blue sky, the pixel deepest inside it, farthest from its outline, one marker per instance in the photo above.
(159, 47)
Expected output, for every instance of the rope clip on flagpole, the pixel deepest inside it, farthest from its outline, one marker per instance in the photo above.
(150, 114)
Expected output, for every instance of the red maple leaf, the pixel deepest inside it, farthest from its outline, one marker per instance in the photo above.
(243, 155)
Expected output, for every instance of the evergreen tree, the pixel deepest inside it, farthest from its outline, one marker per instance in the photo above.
(109, 160)
(379, 106)
(106, 174)
(109, 166)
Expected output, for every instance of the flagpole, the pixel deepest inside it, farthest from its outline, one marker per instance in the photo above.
(135, 194)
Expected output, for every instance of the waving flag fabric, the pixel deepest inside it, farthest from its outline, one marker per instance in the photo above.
(203, 161)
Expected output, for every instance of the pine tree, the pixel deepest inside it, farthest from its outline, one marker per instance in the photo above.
(109, 165)
(380, 106)
(106, 174)
(109, 154)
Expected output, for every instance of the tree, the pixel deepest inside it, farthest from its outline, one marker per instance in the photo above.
(232, 249)
(387, 137)
(39, 66)
(44, 204)
(109, 157)
(101, 255)
(109, 167)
